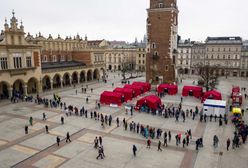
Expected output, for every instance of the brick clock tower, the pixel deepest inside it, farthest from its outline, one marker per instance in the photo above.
(162, 27)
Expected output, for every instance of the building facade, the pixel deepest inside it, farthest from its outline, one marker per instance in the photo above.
(197, 56)
(20, 68)
(119, 58)
(35, 64)
(224, 53)
(183, 60)
(141, 59)
(244, 61)
(162, 25)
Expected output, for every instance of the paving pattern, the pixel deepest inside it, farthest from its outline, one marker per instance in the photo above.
(39, 149)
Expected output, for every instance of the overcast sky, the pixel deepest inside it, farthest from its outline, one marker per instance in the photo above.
(126, 19)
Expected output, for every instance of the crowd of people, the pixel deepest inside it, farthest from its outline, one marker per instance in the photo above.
(148, 132)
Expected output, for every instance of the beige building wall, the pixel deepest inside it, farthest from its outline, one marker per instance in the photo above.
(20, 66)
(141, 59)
(116, 59)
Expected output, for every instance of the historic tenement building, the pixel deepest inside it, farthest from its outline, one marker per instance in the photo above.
(162, 25)
(197, 56)
(225, 53)
(244, 60)
(119, 58)
(183, 59)
(35, 64)
(141, 58)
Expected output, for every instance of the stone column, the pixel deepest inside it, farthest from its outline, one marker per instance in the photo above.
(39, 88)
(78, 78)
(61, 82)
(25, 89)
(70, 78)
(51, 83)
(10, 91)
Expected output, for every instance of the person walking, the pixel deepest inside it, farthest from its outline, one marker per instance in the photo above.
(44, 116)
(165, 138)
(169, 133)
(228, 143)
(26, 129)
(62, 120)
(215, 141)
(100, 140)
(117, 122)
(99, 153)
(184, 142)
(159, 146)
(148, 144)
(110, 120)
(46, 127)
(31, 121)
(67, 137)
(58, 140)
(103, 151)
(134, 150)
(96, 142)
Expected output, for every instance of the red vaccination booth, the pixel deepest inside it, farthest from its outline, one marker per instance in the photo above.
(167, 88)
(111, 98)
(128, 93)
(195, 91)
(235, 89)
(213, 94)
(152, 101)
(145, 85)
(137, 89)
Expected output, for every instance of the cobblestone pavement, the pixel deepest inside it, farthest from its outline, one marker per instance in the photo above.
(39, 149)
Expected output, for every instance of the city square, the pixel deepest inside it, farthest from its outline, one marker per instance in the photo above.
(109, 84)
(38, 149)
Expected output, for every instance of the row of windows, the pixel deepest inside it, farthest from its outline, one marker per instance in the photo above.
(17, 62)
(62, 46)
(223, 57)
(183, 62)
(54, 58)
(236, 57)
(142, 61)
(99, 58)
(142, 55)
(222, 49)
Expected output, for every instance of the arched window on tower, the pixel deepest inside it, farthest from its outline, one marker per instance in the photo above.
(153, 45)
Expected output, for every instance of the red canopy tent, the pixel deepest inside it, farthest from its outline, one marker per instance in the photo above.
(236, 89)
(213, 94)
(128, 93)
(111, 98)
(171, 89)
(152, 101)
(146, 86)
(195, 91)
(137, 89)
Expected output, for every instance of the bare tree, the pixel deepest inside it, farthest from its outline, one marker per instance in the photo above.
(127, 67)
(208, 75)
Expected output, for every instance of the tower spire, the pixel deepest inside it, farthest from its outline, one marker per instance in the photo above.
(13, 12)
